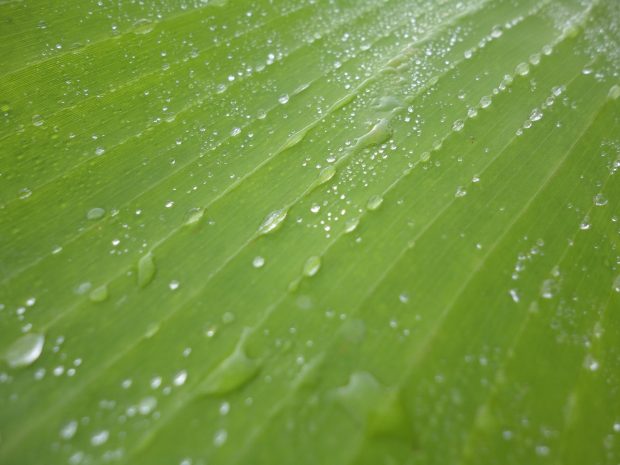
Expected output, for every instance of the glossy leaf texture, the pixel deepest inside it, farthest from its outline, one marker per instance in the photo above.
(310, 232)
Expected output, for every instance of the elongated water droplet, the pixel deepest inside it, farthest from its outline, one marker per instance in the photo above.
(273, 221)
(99, 294)
(95, 213)
(522, 69)
(485, 101)
(146, 270)
(233, 372)
(326, 174)
(312, 265)
(69, 430)
(458, 125)
(194, 216)
(25, 350)
(616, 284)
(143, 26)
(379, 133)
(374, 202)
(378, 408)
(614, 92)
(351, 225)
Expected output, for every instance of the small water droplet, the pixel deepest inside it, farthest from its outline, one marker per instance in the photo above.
(180, 378)
(258, 262)
(220, 437)
(99, 438)
(616, 284)
(173, 285)
(374, 202)
(379, 134)
(37, 120)
(514, 295)
(536, 115)
(25, 350)
(99, 294)
(460, 192)
(311, 266)
(69, 430)
(24, 193)
(614, 92)
(283, 99)
(146, 270)
(194, 216)
(147, 405)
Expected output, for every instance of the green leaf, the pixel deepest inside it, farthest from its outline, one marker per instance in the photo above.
(281, 232)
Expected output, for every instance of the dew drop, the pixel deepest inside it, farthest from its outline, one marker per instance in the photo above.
(600, 200)
(351, 225)
(258, 262)
(460, 192)
(616, 284)
(233, 372)
(95, 213)
(374, 202)
(220, 437)
(536, 115)
(37, 120)
(146, 270)
(180, 378)
(458, 125)
(614, 92)
(326, 174)
(69, 430)
(147, 405)
(99, 294)
(143, 26)
(312, 266)
(522, 69)
(485, 101)
(272, 222)
(99, 438)
(25, 350)
(379, 134)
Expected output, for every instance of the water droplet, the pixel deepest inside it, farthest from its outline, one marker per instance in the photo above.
(591, 363)
(485, 101)
(351, 225)
(614, 92)
(460, 192)
(180, 378)
(326, 174)
(69, 430)
(194, 216)
(600, 200)
(548, 289)
(312, 265)
(585, 224)
(404, 297)
(283, 99)
(24, 193)
(99, 151)
(458, 125)
(376, 407)
(147, 405)
(379, 134)
(522, 69)
(146, 270)
(616, 284)
(536, 115)
(258, 262)
(374, 202)
(99, 294)
(95, 213)
(25, 350)
(143, 26)
(37, 120)
(173, 285)
(233, 372)
(99, 438)
(273, 221)
(514, 295)
(220, 438)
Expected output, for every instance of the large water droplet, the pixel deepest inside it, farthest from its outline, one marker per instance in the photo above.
(379, 133)
(351, 224)
(233, 372)
(326, 174)
(25, 350)
(99, 294)
(143, 26)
